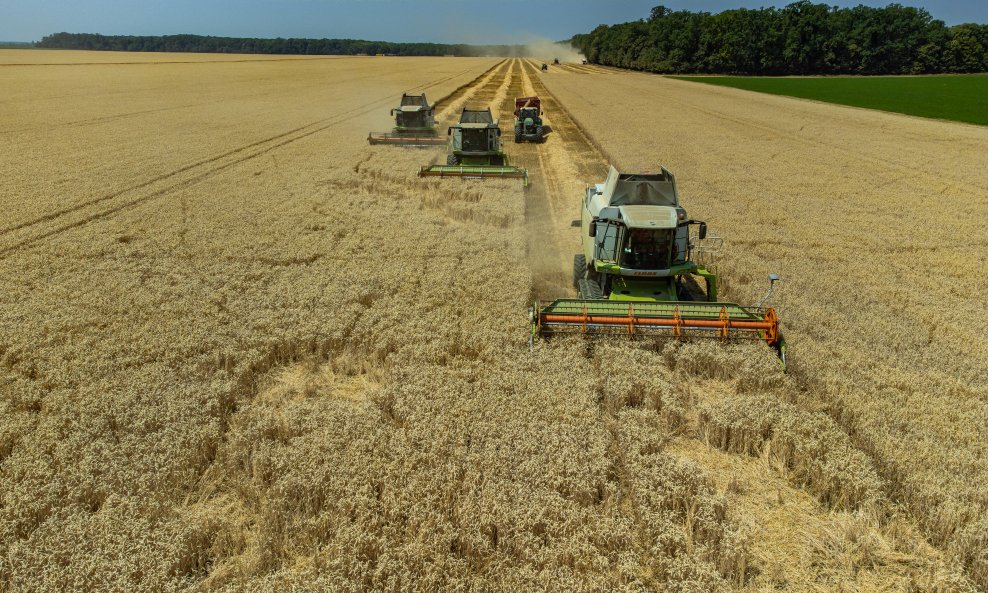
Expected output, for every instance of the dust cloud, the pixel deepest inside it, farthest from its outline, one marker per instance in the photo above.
(547, 50)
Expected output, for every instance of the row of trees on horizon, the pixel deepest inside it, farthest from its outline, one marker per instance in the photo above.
(802, 38)
(250, 45)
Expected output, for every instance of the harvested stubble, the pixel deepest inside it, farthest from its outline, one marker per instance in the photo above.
(882, 304)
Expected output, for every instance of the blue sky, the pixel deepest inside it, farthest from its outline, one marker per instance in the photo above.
(445, 21)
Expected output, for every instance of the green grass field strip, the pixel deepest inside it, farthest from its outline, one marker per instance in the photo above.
(962, 98)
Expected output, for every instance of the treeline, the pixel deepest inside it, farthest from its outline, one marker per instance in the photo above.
(802, 38)
(248, 45)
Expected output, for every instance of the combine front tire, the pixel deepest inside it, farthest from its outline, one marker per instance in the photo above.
(689, 290)
(452, 159)
(579, 269)
(590, 290)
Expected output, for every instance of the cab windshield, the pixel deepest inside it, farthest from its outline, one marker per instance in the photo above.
(648, 249)
(475, 140)
(412, 119)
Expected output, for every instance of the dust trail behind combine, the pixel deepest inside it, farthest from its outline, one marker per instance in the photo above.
(559, 169)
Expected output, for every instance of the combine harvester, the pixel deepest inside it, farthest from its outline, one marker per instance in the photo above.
(528, 120)
(415, 124)
(475, 150)
(636, 275)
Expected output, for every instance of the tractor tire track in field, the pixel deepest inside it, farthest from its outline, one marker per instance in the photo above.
(474, 93)
(166, 62)
(547, 257)
(94, 121)
(557, 171)
(118, 116)
(585, 69)
(25, 234)
(560, 169)
(575, 131)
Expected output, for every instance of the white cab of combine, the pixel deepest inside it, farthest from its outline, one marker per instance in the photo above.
(625, 202)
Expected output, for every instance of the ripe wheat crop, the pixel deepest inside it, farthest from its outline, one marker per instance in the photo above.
(240, 349)
(875, 222)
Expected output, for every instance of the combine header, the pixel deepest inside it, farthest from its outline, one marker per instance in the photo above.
(637, 274)
(415, 124)
(475, 150)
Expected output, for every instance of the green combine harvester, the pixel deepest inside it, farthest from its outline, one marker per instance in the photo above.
(475, 150)
(415, 124)
(640, 270)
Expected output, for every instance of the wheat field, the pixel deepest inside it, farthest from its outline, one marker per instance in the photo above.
(876, 223)
(242, 350)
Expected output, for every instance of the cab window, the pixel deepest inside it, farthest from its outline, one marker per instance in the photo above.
(648, 249)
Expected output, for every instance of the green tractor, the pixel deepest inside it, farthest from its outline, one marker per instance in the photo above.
(640, 270)
(528, 120)
(474, 150)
